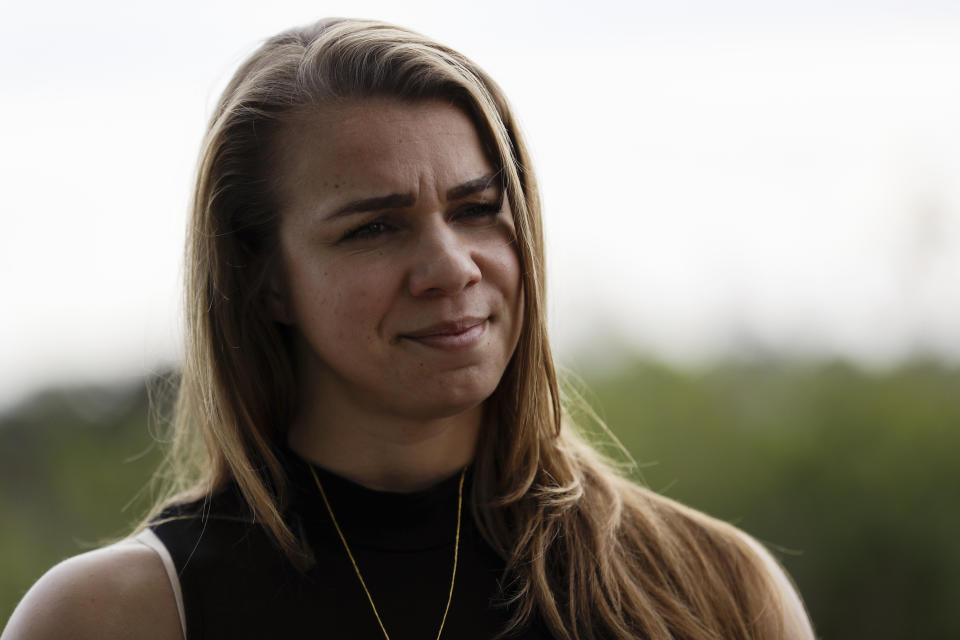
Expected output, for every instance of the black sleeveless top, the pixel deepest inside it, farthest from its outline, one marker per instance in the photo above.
(237, 584)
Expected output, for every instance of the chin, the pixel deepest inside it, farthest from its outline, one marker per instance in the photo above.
(447, 403)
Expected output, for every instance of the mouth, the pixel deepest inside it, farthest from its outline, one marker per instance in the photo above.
(455, 335)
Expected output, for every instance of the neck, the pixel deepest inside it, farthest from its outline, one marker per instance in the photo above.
(387, 453)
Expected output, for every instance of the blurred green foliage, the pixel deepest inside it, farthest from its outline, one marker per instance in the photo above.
(850, 476)
(74, 472)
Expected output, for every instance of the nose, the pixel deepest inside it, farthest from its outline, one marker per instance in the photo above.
(443, 264)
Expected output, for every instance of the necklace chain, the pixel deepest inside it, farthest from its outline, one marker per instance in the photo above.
(356, 569)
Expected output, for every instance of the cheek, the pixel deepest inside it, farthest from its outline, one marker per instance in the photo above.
(343, 303)
(504, 269)
(502, 272)
(508, 269)
(507, 257)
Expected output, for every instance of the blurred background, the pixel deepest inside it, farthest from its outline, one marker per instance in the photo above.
(753, 218)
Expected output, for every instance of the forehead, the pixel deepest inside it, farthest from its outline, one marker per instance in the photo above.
(376, 144)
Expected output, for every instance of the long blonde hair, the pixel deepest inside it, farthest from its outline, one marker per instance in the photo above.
(590, 553)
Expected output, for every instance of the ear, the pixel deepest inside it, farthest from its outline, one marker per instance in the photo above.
(277, 300)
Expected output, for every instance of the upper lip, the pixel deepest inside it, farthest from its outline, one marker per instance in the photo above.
(447, 328)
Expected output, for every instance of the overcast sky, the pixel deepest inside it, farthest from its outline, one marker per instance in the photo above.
(718, 178)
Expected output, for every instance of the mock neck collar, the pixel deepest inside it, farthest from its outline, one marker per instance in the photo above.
(386, 520)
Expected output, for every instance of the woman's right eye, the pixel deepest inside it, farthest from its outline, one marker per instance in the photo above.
(367, 231)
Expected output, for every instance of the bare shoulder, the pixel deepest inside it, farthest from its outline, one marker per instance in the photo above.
(796, 621)
(117, 592)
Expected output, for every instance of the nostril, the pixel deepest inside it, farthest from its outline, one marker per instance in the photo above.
(447, 270)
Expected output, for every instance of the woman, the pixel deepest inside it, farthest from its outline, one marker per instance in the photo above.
(370, 440)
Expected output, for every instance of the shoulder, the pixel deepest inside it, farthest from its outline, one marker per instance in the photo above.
(120, 591)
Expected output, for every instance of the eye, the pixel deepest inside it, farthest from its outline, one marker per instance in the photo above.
(368, 231)
(479, 211)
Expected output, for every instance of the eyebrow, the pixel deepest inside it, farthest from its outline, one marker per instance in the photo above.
(478, 185)
(401, 200)
(392, 201)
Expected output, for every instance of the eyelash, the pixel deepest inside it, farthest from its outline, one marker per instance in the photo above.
(481, 210)
(375, 228)
(366, 231)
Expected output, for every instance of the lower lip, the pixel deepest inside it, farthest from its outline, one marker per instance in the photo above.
(454, 341)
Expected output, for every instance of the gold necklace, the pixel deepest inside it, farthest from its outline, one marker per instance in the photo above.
(356, 569)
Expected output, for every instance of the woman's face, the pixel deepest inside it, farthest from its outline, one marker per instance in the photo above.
(399, 271)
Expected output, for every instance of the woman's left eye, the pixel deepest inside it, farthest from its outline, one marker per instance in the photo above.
(478, 210)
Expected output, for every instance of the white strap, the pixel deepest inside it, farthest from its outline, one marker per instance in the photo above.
(150, 539)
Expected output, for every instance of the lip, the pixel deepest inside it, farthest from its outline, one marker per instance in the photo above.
(454, 335)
